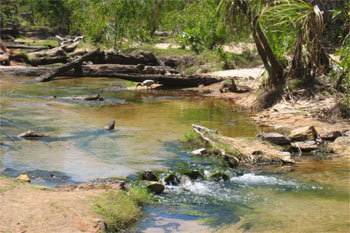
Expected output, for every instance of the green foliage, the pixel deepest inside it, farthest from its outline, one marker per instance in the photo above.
(120, 209)
(199, 25)
(192, 140)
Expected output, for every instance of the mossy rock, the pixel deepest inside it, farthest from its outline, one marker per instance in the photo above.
(155, 187)
(172, 179)
(192, 174)
(219, 175)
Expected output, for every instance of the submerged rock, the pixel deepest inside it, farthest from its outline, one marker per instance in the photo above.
(23, 177)
(110, 125)
(148, 175)
(155, 187)
(31, 134)
(219, 175)
(192, 174)
(171, 179)
(306, 146)
(330, 135)
(275, 138)
(303, 134)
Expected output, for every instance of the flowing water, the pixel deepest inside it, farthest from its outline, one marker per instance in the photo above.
(312, 196)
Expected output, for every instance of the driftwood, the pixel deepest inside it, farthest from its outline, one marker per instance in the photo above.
(63, 41)
(115, 71)
(237, 157)
(62, 69)
(22, 46)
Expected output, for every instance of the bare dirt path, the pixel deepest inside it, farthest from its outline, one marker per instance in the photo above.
(29, 208)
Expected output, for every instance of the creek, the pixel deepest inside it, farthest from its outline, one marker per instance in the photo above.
(311, 196)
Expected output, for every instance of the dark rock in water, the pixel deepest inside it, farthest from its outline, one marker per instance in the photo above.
(148, 175)
(330, 135)
(155, 187)
(171, 179)
(219, 175)
(31, 134)
(192, 174)
(110, 125)
(275, 138)
(306, 146)
(303, 134)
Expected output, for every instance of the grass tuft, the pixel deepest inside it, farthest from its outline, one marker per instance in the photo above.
(120, 209)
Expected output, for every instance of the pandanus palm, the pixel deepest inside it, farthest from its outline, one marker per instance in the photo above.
(291, 26)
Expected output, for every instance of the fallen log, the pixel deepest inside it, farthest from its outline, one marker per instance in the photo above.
(22, 46)
(127, 72)
(36, 61)
(62, 69)
(240, 151)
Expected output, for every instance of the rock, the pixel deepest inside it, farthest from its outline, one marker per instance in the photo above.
(31, 134)
(228, 85)
(284, 153)
(192, 174)
(171, 179)
(155, 187)
(219, 175)
(274, 138)
(23, 177)
(340, 146)
(148, 175)
(303, 134)
(110, 125)
(330, 135)
(346, 133)
(200, 151)
(305, 146)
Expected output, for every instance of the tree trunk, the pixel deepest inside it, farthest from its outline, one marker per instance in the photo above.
(62, 69)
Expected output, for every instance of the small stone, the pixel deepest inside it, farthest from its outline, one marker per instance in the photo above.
(275, 138)
(306, 146)
(23, 177)
(31, 134)
(303, 134)
(330, 135)
(200, 151)
(110, 125)
(155, 187)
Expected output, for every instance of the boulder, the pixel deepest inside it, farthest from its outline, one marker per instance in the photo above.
(346, 133)
(200, 151)
(23, 177)
(330, 135)
(306, 146)
(31, 134)
(274, 138)
(155, 187)
(219, 175)
(303, 134)
(340, 146)
(148, 175)
(192, 174)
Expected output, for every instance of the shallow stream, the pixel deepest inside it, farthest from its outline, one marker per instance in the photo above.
(312, 196)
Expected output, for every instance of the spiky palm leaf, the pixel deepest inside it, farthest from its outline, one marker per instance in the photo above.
(305, 22)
